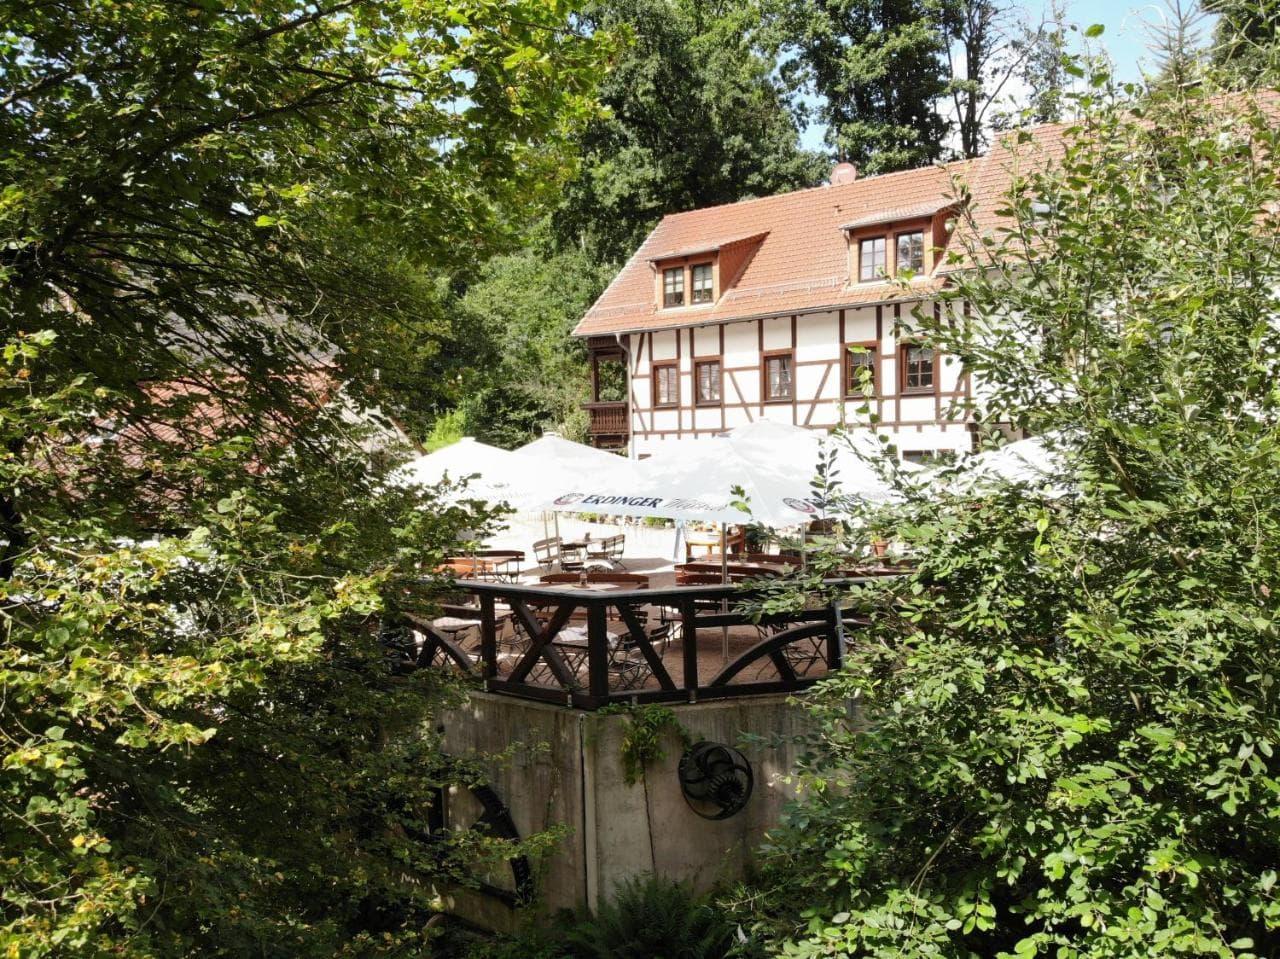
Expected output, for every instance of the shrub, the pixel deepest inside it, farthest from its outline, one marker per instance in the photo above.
(1058, 736)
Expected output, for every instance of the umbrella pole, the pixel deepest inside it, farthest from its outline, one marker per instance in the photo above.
(724, 603)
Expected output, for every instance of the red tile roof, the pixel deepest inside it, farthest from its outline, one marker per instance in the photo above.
(800, 263)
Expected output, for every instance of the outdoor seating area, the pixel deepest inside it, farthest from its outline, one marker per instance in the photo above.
(618, 640)
(569, 629)
(568, 604)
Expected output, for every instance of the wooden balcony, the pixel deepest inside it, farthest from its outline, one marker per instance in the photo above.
(584, 649)
(608, 423)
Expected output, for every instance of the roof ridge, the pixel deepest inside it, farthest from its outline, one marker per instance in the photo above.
(939, 165)
(809, 189)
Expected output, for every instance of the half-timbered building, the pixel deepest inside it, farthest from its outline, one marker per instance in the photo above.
(796, 308)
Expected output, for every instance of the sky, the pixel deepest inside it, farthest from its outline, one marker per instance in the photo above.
(1124, 38)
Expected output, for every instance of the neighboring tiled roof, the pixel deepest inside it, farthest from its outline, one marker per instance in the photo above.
(899, 214)
(800, 263)
(705, 246)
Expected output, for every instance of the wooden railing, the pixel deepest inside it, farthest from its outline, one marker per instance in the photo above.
(607, 419)
(586, 649)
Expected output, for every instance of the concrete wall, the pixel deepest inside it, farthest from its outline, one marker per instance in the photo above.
(565, 767)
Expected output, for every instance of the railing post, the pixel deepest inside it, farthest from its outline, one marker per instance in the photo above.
(597, 649)
(488, 638)
(689, 649)
(835, 639)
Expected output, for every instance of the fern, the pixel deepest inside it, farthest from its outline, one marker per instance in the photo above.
(652, 918)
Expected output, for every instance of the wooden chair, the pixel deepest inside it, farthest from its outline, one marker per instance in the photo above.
(551, 552)
(547, 551)
(608, 550)
(628, 669)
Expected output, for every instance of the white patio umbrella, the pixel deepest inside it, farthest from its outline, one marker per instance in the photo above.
(553, 449)
(1022, 461)
(492, 471)
(772, 464)
(551, 464)
(1034, 462)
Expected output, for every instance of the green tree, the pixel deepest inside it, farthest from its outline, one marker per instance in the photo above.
(214, 218)
(1059, 733)
(1175, 39)
(525, 305)
(878, 69)
(1042, 51)
(694, 120)
(1003, 68)
(1246, 40)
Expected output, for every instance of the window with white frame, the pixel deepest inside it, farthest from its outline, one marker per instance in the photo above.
(673, 287)
(871, 259)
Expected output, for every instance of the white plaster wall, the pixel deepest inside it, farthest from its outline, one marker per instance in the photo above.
(777, 333)
(706, 418)
(706, 341)
(809, 380)
(860, 325)
(932, 439)
(664, 345)
(816, 336)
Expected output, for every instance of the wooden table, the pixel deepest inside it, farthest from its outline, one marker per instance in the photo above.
(734, 541)
(591, 587)
(470, 567)
(714, 566)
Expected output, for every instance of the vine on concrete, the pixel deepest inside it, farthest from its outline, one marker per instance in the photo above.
(642, 744)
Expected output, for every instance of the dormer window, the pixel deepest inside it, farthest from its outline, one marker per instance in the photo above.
(673, 287)
(871, 259)
(702, 283)
(910, 252)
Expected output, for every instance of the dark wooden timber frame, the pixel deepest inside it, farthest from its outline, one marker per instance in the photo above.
(541, 613)
(615, 424)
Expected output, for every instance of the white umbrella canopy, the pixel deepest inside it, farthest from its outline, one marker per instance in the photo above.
(492, 470)
(1034, 462)
(551, 462)
(773, 464)
(786, 460)
(1022, 461)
